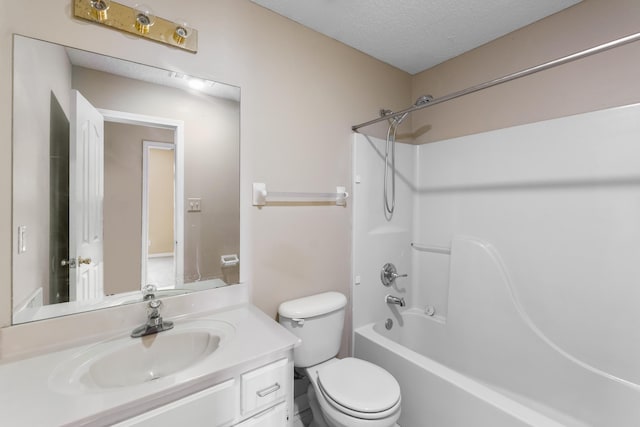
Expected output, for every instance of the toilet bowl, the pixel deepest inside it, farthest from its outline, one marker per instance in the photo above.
(345, 392)
(352, 393)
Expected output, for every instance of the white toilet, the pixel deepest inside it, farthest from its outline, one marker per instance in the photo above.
(343, 392)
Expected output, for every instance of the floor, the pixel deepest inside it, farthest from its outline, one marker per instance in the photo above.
(302, 412)
(303, 419)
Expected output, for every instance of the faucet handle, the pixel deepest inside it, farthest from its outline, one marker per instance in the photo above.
(153, 309)
(389, 274)
(155, 304)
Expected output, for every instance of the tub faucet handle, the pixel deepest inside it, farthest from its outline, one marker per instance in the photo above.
(389, 274)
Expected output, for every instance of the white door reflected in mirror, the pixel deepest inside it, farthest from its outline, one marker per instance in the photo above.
(86, 194)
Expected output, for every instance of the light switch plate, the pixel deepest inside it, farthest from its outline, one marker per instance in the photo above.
(22, 239)
(193, 205)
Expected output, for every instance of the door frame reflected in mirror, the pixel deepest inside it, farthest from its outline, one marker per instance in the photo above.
(160, 218)
(178, 141)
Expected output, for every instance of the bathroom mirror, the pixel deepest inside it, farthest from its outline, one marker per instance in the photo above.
(124, 176)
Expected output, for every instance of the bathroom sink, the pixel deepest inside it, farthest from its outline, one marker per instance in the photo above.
(129, 362)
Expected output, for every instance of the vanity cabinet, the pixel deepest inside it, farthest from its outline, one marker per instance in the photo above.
(259, 397)
(246, 381)
(213, 407)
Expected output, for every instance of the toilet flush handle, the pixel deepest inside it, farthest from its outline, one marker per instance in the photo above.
(300, 322)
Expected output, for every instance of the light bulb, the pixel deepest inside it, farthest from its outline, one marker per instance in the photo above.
(182, 32)
(100, 9)
(144, 18)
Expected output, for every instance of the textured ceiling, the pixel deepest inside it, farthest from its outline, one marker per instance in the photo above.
(414, 35)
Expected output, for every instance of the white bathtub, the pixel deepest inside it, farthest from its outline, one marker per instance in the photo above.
(488, 363)
(434, 394)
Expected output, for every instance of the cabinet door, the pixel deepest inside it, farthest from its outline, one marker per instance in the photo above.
(215, 406)
(273, 417)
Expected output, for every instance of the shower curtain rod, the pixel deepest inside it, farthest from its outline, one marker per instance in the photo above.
(509, 77)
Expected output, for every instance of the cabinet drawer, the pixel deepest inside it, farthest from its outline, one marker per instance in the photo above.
(264, 386)
(214, 406)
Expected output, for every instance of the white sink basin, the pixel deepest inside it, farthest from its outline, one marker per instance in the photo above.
(131, 362)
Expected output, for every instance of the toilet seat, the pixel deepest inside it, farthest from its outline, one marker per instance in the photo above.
(359, 389)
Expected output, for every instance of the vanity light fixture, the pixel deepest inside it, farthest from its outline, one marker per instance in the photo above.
(138, 20)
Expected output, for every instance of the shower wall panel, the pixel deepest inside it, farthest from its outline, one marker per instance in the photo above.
(377, 240)
(559, 201)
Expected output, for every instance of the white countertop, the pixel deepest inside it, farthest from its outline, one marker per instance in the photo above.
(27, 397)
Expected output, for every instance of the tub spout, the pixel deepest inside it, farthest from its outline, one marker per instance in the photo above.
(390, 299)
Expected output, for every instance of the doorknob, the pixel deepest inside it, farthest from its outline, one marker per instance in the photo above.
(71, 263)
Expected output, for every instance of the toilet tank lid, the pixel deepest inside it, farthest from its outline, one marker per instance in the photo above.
(314, 305)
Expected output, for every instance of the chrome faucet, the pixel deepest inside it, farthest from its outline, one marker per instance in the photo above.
(154, 323)
(390, 299)
(149, 292)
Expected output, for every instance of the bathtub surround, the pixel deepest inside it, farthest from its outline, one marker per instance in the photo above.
(533, 296)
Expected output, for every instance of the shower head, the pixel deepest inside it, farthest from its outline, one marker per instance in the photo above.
(422, 100)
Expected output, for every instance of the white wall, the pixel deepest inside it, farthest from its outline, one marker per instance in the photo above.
(558, 200)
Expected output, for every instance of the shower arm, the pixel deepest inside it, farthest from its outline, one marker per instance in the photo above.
(509, 77)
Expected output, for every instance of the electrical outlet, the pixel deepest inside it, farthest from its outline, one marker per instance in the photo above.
(193, 205)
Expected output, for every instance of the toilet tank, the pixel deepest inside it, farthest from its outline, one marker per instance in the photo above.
(318, 320)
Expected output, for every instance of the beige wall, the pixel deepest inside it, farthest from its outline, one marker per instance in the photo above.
(161, 201)
(605, 80)
(46, 72)
(123, 203)
(211, 159)
(301, 92)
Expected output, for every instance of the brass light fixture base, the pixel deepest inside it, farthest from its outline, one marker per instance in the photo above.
(124, 18)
